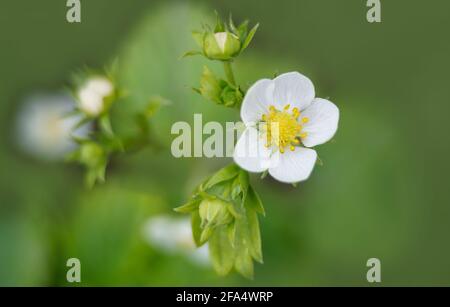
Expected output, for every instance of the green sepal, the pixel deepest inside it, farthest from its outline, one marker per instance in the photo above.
(191, 53)
(220, 26)
(226, 173)
(190, 206)
(221, 251)
(253, 201)
(196, 228)
(249, 37)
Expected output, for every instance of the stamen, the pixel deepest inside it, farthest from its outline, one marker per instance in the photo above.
(305, 120)
(303, 135)
(283, 128)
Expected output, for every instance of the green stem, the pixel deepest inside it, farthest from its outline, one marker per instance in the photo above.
(229, 72)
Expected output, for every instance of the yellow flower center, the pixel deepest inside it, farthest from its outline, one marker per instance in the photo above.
(282, 128)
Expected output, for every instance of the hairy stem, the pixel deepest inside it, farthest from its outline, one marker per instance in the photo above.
(229, 72)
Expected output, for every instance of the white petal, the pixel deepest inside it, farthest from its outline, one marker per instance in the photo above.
(295, 89)
(100, 85)
(90, 101)
(221, 39)
(257, 101)
(250, 152)
(294, 166)
(323, 117)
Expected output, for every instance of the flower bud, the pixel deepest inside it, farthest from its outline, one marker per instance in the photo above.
(92, 96)
(214, 212)
(91, 154)
(221, 46)
(219, 91)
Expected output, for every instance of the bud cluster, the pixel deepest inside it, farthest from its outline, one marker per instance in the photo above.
(96, 94)
(224, 212)
(224, 42)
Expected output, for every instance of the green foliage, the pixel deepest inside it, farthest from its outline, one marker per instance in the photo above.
(224, 211)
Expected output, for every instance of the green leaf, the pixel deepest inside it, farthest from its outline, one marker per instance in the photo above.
(254, 202)
(243, 244)
(188, 207)
(250, 36)
(244, 264)
(232, 210)
(231, 230)
(244, 182)
(254, 235)
(221, 251)
(191, 53)
(95, 174)
(226, 173)
(206, 234)
(148, 67)
(196, 228)
(242, 30)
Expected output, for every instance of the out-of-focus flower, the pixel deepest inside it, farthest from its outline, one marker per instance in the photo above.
(93, 95)
(174, 235)
(283, 119)
(44, 129)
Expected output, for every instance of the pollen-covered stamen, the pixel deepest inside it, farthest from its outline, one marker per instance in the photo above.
(282, 128)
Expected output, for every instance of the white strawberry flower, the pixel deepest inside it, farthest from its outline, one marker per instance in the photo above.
(283, 121)
(43, 128)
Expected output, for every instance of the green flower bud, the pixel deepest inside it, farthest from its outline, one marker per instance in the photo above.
(94, 158)
(91, 154)
(214, 212)
(218, 90)
(221, 46)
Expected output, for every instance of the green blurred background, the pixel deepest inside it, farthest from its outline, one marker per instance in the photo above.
(382, 192)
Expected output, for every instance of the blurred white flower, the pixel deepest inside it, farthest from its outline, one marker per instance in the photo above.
(174, 236)
(92, 95)
(43, 128)
(290, 119)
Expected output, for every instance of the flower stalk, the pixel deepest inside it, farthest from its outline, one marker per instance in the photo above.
(229, 72)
